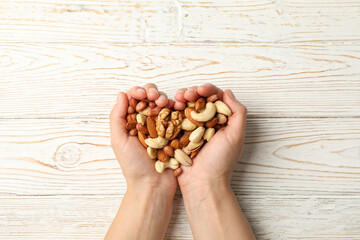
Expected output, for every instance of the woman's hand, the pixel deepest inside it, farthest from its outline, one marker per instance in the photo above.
(137, 167)
(217, 159)
(212, 208)
(146, 208)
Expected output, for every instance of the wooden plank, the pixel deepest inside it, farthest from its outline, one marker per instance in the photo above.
(282, 156)
(81, 81)
(161, 21)
(278, 21)
(88, 217)
(87, 21)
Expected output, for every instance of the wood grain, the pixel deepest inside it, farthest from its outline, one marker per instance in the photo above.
(88, 217)
(82, 81)
(161, 21)
(281, 157)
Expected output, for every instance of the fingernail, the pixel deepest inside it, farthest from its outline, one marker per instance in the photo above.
(140, 90)
(153, 90)
(162, 98)
(231, 95)
(180, 91)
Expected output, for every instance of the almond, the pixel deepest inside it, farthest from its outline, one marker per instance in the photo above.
(188, 111)
(130, 110)
(133, 132)
(184, 140)
(132, 102)
(130, 124)
(151, 127)
(199, 104)
(162, 156)
(142, 138)
(193, 154)
(212, 122)
(177, 172)
(212, 98)
(141, 128)
(169, 151)
(154, 112)
(218, 126)
(175, 144)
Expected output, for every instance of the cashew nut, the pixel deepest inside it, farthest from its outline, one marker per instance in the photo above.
(197, 134)
(221, 107)
(187, 125)
(190, 104)
(222, 118)
(161, 166)
(157, 143)
(206, 115)
(141, 118)
(145, 111)
(151, 152)
(209, 133)
(182, 158)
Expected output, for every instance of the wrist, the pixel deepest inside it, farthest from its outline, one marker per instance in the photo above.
(201, 187)
(150, 190)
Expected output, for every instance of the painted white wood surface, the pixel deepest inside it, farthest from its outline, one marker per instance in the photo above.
(89, 216)
(167, 21)
(294, 64)
(282, 156)
(78, 80)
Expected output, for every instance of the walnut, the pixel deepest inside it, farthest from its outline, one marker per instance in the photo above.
(161, 122)
(174, 125)
(176, 118)
(160, 127)
(164, 113)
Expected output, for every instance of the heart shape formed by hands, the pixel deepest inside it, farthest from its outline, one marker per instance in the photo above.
(174, 137)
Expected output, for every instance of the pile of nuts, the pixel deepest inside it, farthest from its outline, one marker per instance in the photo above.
(175, 137)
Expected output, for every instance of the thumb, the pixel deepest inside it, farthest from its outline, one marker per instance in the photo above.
(237, 121)
(118, 131)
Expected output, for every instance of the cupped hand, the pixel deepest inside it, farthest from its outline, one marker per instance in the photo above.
(218, 157)
(138, 168)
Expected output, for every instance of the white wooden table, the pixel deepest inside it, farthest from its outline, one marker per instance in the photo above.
(294, 64)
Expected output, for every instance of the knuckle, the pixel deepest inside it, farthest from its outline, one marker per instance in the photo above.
(243, 110)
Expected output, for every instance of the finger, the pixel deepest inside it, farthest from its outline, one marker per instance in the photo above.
(237, 121)
(162, 101)
(170, 103)
(209, 89)
(118, 131)
(191, 94)
(179, 96)
(151, 91)
(179, 106)
(137, 93)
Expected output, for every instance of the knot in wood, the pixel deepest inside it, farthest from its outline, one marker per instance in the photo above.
(67, 156)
